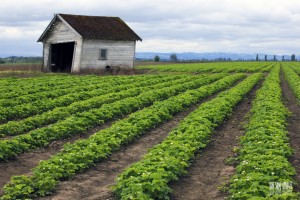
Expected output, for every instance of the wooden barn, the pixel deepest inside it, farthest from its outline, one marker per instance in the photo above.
(73, 43)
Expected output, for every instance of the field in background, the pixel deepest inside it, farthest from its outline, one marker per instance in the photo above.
(211, 67)
(21, 67)
(154, 67)
(180, 131)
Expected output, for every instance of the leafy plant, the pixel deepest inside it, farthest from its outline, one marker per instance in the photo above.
(109, 95)
(265, 150)
(83, 154)
(168, 160)
(293, 79)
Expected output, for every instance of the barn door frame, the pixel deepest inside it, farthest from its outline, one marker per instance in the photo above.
(49, 66)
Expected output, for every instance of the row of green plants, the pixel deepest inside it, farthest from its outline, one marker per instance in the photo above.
(263, 170)
(80, 122)
(210, 67)
(268, 68)
(293, 79)
(52, 78)
(85, 153)
(37, 107)
(24, 86)
(82, 87)
(167, 161)
(10, 82)
(86, 87)
(45, 83)
(60, 113)
(295, 67)
(257, 67)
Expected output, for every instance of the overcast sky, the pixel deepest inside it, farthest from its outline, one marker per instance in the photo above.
(237, 26)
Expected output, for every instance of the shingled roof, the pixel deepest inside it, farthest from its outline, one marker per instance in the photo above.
(97, 27)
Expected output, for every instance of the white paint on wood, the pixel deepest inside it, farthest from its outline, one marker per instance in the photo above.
(86, 51)
(119, 53)
(61, 33)
(77, 56)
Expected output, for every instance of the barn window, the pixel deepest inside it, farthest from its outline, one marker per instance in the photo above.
(103, 54)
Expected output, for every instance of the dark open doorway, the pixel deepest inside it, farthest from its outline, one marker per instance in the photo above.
(62, 57)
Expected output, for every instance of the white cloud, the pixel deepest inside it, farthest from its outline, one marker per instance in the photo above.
(246, 26)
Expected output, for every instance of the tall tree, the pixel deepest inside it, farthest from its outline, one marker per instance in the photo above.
(293, 57)
(173, 57)
(256, 57)
(156, 58)
(266, 58)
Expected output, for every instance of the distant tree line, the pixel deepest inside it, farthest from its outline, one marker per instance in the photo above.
(293, 58)
(21, 59)
(173, 58)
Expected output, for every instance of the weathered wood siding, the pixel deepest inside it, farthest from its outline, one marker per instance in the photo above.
(119, 53)
(61, 33)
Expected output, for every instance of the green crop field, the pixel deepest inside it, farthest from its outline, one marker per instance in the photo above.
(179, 131)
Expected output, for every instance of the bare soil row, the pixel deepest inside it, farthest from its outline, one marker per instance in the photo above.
(207, 172)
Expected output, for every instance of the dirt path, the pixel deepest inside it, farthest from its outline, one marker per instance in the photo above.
(293, 126)
(25, 162)
(208, 170)
(94, 182)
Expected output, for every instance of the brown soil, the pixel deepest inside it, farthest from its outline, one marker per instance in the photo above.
(25, 162)
(208, 170)
(95, 182)
(30, 67)
(293, 126)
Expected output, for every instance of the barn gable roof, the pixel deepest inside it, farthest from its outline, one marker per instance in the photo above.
(96, 27)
